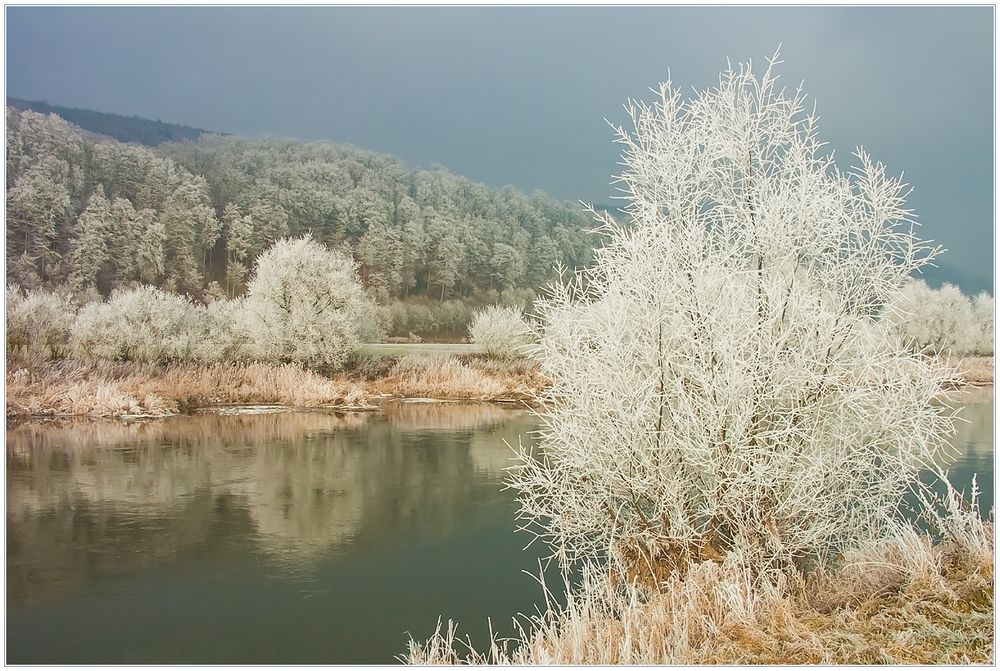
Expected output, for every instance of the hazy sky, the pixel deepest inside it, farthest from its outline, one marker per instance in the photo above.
(519, 95)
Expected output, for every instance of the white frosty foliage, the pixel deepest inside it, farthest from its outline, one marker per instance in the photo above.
(224, 333)
(943, 320)
(141, 324)
(502, 332)
(721, 382)
(305, 304)
(39, 321)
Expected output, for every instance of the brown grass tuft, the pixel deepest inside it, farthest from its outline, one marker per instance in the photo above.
(36, 387)
(904, 601)
(448, 377)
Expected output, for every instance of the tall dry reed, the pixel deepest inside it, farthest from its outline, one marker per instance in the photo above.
(905, 600)
(37, 387)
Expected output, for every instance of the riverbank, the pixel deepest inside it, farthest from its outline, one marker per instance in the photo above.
(906, 600)
(976, 371)
(38, 387)
(102, 389)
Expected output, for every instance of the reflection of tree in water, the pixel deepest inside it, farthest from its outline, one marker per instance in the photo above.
(492, 448)
(974, 430)
(93, 498)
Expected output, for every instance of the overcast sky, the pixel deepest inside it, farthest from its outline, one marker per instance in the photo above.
(519, 95)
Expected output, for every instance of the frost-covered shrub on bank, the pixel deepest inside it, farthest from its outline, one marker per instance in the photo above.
(142, 324)
(306, 305)
(223, 332)
(721, 382)
(39, 322)
(502, 332)
(942, 321)
(983, 312)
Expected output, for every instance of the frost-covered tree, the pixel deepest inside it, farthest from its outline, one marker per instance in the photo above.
(305, 304)
(238, 230)
(502, 332)
(90, 253)
(721, 383)
(38, 206)
(446, 263)
(146, 235)
(940, 321)
(983, 310)
(508, 265)
(190, 230)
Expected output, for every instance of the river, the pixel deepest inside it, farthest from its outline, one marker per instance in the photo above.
(279, 537)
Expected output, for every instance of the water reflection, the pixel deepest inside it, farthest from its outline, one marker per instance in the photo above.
(97, 498)
(306, 537)
(973, 444)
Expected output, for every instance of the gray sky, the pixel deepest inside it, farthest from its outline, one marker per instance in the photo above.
(519, 95)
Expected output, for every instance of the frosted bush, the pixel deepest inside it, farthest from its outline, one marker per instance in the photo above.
(722, 384)
(224, 332)
(306, 305)
(502, 332)
(39, 322)
(933, 321)
(983, 312)
(141, 324)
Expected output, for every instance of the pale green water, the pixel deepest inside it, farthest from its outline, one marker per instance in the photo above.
(277, 538)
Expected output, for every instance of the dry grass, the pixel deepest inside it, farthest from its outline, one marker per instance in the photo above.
(904, 601)
(973, 370)
(102, 389)
(452, 378)
(105, 389)
(39, 387)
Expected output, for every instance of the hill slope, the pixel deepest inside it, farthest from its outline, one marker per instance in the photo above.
(122, 128)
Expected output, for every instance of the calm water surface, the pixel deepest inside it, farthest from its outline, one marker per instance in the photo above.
(279, 537)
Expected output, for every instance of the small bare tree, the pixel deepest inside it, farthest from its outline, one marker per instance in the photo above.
(722, 384)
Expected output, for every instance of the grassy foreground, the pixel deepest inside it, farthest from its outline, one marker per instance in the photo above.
(906, 600)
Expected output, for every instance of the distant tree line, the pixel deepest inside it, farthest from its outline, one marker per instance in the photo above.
(943, 320)
(117, 126)
(192, 217)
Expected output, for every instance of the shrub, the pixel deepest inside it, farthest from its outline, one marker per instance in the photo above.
(454, 317)
(140, 324)
(722, 385)
(39, 322)
(306, 305)
(421, 319)
(983, 311)
(502, 332)
(930, 320)
(224, 331)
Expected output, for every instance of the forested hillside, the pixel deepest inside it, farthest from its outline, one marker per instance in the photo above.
(117, 126)
(191, 217)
